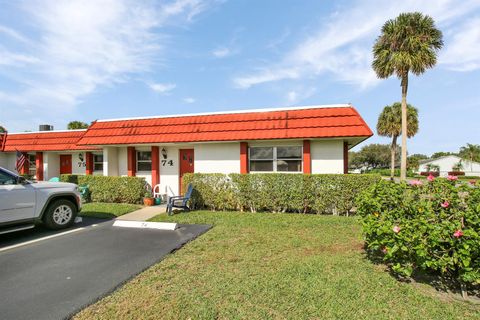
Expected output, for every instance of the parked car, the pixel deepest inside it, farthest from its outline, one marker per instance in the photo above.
(24, 203)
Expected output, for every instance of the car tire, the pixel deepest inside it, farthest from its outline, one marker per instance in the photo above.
(60, 214)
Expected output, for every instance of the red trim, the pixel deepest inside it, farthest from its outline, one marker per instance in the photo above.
(39, 165)
(243, 157)
(307, 158)
(345, 157)
(155, 166)
(89, 163)
(131, 161)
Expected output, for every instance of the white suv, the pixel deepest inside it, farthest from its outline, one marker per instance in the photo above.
(24, 203)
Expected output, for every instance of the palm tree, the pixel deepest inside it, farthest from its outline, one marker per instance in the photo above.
(389, 124)
(470, 152)
(408, 43)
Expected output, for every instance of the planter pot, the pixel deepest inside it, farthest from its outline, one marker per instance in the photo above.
(456, 173)
(148, 201)
(158, 201)
(433, 173)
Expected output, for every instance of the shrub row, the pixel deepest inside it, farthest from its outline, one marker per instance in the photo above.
(277, 192)
(110, 189)
(386, 172)
(430, 227)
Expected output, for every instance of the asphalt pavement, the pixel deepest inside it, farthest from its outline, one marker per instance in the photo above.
(56, 274)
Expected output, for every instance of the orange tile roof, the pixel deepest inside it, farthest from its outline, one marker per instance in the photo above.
(44, 141)
(307, 123)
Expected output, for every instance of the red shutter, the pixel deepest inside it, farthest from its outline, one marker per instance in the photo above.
(131, 161)
(89, 163)
(243, 157)
(155, 166)
(307, 158)
(39, 166)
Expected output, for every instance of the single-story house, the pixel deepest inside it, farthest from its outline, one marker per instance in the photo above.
(447, 163)
(162, 149)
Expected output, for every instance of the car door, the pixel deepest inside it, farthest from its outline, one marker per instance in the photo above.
(17, 200)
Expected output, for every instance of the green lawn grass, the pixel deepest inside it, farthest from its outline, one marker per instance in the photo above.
(273, 266)
(107, 210)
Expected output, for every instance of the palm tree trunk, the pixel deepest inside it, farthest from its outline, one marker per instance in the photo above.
(403, 163)
(393, 149)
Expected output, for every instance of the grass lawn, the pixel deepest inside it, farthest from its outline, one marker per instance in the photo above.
(107, 210)
(273, 266)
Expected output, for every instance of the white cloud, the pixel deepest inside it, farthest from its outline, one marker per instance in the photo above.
(221, 52)
(189, 100)
(163, 88)
(341, 48)
(463, 53)
(299, 94)
(78, 46)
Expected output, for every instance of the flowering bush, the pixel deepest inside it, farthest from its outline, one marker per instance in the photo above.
(432, 226)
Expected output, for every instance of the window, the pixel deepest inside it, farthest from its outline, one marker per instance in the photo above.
(144, 161)
(276, 159)
(6, 179)
(32, 166)
(98, 162)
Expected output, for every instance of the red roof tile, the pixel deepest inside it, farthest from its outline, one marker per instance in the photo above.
(284, 124)
(44, 141)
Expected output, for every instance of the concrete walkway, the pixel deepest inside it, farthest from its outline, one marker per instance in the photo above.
(144, 214)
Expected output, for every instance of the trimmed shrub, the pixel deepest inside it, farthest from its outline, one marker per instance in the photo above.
(432, 227)
(386, 172)
(110, 189)
(278, 192)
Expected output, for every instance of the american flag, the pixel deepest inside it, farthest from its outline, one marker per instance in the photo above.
(21, 159)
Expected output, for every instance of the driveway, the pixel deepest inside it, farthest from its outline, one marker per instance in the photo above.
(53, 275)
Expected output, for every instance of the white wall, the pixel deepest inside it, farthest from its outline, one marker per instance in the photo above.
(327, 156)
(51, 165)
(447, 163)
(110, 161)
(79, 163)
(7, 161)
(217, 158)
(122, 161)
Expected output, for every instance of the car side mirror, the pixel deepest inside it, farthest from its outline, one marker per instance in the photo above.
(21, 180)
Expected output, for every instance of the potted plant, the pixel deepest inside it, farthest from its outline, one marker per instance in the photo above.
(148, 199)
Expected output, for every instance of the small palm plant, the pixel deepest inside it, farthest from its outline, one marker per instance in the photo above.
(407, 44)
(389, 124)
(470, 152)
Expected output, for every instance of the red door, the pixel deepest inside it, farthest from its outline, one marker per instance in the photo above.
(65, 164)
(186, 164)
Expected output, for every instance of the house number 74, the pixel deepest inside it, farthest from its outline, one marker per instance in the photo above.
(169, 162)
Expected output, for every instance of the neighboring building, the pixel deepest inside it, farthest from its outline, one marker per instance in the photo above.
(447, 163)
(162, 149)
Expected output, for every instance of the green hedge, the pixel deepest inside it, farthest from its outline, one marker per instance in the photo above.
(110, 189)
(277, 192)
(386, 172)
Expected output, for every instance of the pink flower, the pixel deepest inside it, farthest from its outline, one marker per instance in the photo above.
(416, 183)
(384, 250)
(396, 229)
(430, 178)
(445, 204)
(452, 178)
(458, 234)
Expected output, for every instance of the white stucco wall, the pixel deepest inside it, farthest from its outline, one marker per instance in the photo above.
(110, 161)
(447, 163)
(217, 158)
(122, 161)
(7, 161)
(79, 163)
(51, 165)
(327, 156)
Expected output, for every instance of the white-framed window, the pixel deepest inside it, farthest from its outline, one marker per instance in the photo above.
(98, 162)
(32, 165)
(275, 159)
(144, 161)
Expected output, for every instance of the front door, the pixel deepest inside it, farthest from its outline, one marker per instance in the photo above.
(186, 164)
(65, 164)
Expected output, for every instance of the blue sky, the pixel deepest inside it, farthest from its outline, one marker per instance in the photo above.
(86, 60)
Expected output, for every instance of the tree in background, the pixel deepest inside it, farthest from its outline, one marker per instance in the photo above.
(470, 152)
(371, 156)
(389, 124)
(408, 43)
(440, 154)
(2, 129)
(413, 161)
(73, 125)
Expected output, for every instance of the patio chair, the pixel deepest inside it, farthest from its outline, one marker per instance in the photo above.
(156, 191)
(180, 201)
